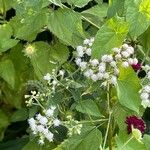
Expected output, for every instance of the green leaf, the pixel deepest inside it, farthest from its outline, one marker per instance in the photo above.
(78, 3)
(141, 11)
(146, 140)
(56, 2)
(88, 107)
(128, 89)
(110, 35)
(83, 141)
(5, 31)
(116, 8)
(29, 25)
(7, 72)
(67, 26)
(40, 59)
(4, 122)
(133, 144)
(96, 14)
(19, 115)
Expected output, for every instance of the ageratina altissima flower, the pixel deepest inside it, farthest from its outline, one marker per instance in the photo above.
(107, 68)
(136, 123)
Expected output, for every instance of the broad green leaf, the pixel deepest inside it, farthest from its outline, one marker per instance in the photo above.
(145, 40)
(96, 14)
(132, 144)
(146, 140)
(78, 3)
(40, 59)
(7, 72)
(141, 11)
(110, 35)
(89, 139)
(128, 89)
(19, 115)
(5, 31)
(88, 107)
(7, 4)
(56, 2)
(116, 8)
(67, 26)
(59, 53)
(29, 25)
(7, 44)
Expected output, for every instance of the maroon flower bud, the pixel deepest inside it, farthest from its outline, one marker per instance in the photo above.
(135, 122)
(137, 66)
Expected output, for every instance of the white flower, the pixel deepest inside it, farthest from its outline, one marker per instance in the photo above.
(43, 120)
(101, 68)
(54, 82)
(147, 88)
(130, 50)
(145, 103)
(91, 43)
(80, 48)
(83, 65)
(32, 124)
(41, 141)
(107, 58)
(94, 77)
(88, 51)
(148, 75)
(49, 136)
(45, 131)
(56, 122)
(80, 53)
(125, 46)
(113, 64)
(118, 56)
(92, 39)
(86, 41)
(116, 71)
(130, 61)
(106, 75)
(144, 96)
(113, 80)
(100, 75)
(49, 112)
(116, 50)
(78, 61)
(47, 77)
(94, 62)
(135, 61)
(88, 73)
(61, 72)
(40, 128)
(125, 54)
(38, 116)
(125, 64)
(104, 58)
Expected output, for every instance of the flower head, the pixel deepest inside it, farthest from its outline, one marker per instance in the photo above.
(136, 66)
(135, 122)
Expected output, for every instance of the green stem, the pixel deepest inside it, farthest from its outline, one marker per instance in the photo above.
(126, 143)
(108, 133)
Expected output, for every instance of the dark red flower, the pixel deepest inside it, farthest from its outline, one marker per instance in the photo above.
(137, 66)
(135, 122)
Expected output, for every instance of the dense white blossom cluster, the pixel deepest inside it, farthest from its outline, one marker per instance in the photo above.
(145, 91)
(106, 68)
(41, 124)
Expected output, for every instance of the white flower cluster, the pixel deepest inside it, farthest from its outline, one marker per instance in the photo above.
(41, 124)
(145, 91)
(145, 96)
(52, 78)
(107, 68)
(74, 127)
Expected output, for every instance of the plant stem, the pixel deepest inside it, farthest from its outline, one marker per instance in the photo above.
(126, 143)
(4, 9)
(108, 133)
